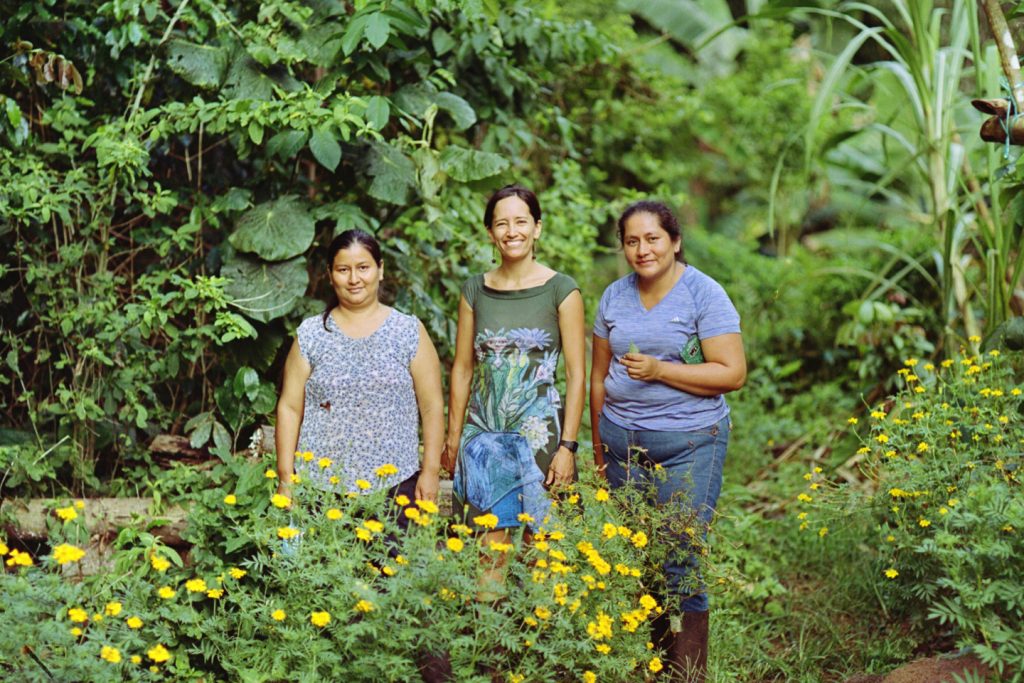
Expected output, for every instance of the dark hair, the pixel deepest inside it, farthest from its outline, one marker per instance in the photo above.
(346, 240)
(511, 191)
(666, 219)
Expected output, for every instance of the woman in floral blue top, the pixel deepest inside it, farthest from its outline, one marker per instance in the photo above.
(514, 321)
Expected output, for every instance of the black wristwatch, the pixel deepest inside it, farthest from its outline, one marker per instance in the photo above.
(571, 446)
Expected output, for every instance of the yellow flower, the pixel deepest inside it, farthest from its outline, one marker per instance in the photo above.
(230, 499)
(76, 632)
(525, 518)
(374, 526)
(803, 497)
(158, 654)
(307, 456)
(648, 602)
(882, 438)
(136, 659)
(110, 654)
(320, 619)
(17, 558)
(412, 513)
(324, 463)
(501, 547)
(3, 548)
(603, 648)
(215, 593)
(112, 609)
(133, 622)
(363, 534)
(270, 474)
(402, 499)
(455, 544)
(388, 570)
(386, 470)
(67, 514)
(195, 586)
(363, 484)
(287, 532)
(65, 553)
(237, 573)
(589, 677)
(488, 521)
(573, 499)
(334, 514)
(78, 615)
(823, 531)
(278, 615)
(364, 606)
(80, 504)
(852, 420)
(924, 522)
(601, 495)
(639, 539)
(891, 573)
(655, 665)
(334, 480)
(974, 339)
(428, 506)
(280, 501)
(166, 592)
(542, 612)
(159, 563)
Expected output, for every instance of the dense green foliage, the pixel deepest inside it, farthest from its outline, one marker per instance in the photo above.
(171, 171)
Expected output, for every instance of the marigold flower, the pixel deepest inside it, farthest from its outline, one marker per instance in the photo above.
(455, 544)
(65, 553)
(78, 615)
(158, 654)
(334, 514)
(112, 609)
(80, 504)
(924, 522)
(307, 456)
(402, 499)
(76, 632)
(133, 622)
(363, 484)
(287, 532)
(280, 501)
(803, 497)
(195, 586)
(363, 534)
(882, 438)
(428, 506)
(270, 474)
(166, 592)
(601, 495)
(230, 499)
(374, 526)
(823, 532)
(891, 573)
(320, 619)
(386, 470)
(237, 573)
(412, 513)
(159, 563)
(19, 559)
(501, 547)
(324, 463)
(67, 514)
(278, 615)
(364, 606)
(655, 665)
(488, 521)
(110, 654)
(334, 481)
(639, 539)
(589, 677)
(852, 420)
(603, 648)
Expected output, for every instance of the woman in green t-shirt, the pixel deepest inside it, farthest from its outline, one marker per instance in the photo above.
(514, 321)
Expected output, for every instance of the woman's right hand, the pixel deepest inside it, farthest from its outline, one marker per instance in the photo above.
(448, 456)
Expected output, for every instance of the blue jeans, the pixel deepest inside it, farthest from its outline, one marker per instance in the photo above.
(690, 480)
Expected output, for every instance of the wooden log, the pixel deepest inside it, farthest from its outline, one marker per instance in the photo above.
(103, 517)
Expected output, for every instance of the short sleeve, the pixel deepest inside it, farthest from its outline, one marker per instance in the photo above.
(471, 288)
(305, 335)
(716, 313)
(563, 287)
(601, 328)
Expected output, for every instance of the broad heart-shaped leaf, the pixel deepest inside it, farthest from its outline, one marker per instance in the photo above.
(325, 148)
(275, 230)
(200, 65)
(377, 112)
(461, 112)
(393, 173)
(378, 28)
(286, 144)
(246, 81)
(264, 291)
(467, 165)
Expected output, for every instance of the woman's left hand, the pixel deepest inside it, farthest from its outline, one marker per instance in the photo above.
(427, 485)
(640, 366)
(562, 468)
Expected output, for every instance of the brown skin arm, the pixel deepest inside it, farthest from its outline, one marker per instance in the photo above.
(571, 329)
(426, 379)
(724, 368)
(290, 405)
(460, 381)
(601, 357)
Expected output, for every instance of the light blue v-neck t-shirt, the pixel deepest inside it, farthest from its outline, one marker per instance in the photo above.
(696, 306)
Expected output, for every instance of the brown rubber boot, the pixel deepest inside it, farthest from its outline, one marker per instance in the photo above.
(688, 658)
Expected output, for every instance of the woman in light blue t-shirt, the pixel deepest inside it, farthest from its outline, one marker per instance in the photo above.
(667, 346)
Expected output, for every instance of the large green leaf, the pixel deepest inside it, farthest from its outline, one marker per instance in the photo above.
(467, 165)
(325, 148)
(461, 111)
(246, 80)
(275, 230)
(345, 217)
(200, 65)
(264, 291)
(393, 173)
